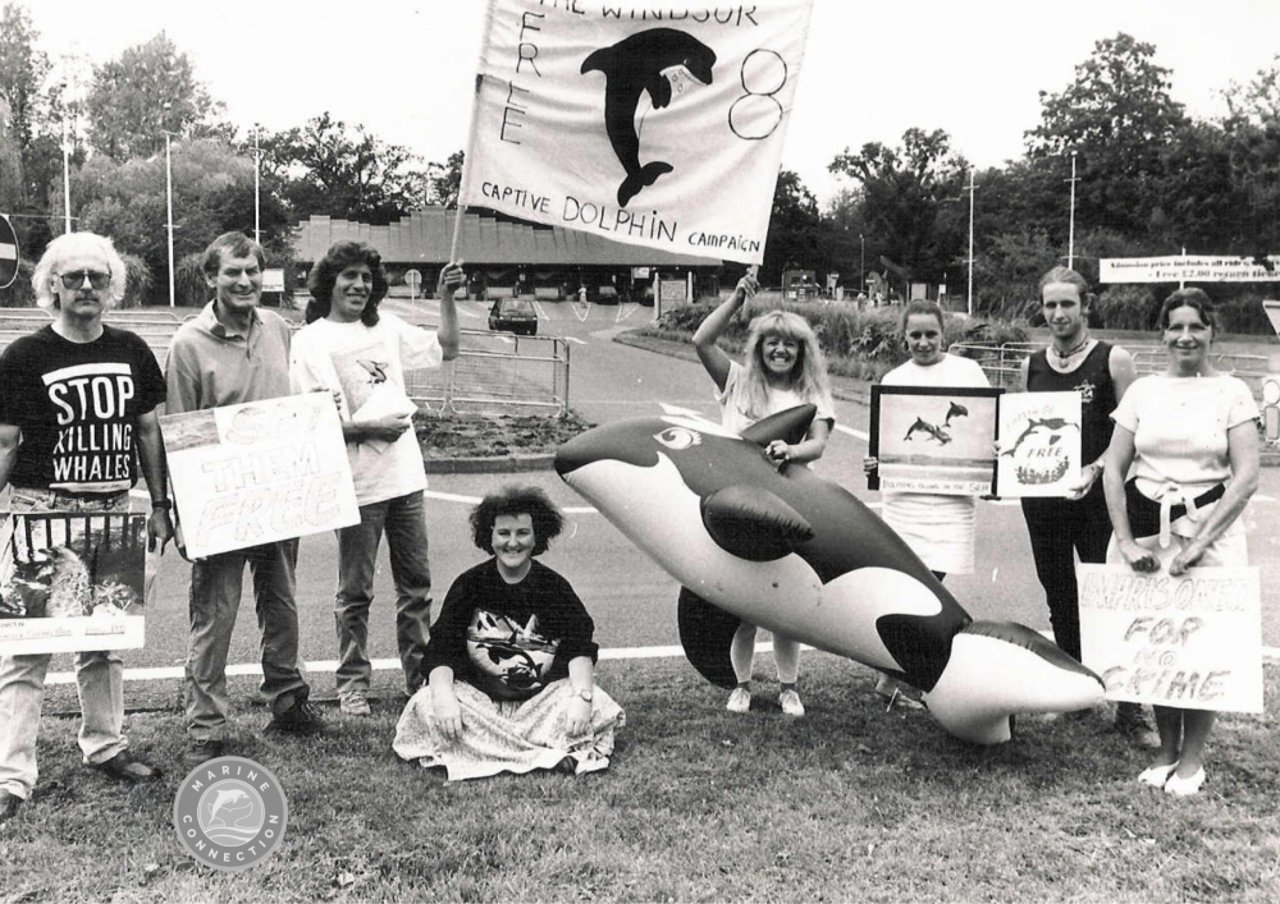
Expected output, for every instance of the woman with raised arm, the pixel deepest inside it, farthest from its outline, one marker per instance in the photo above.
(783, 367)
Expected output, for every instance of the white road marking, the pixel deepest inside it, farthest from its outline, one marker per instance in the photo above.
(854, 433)
(475, 500)
(574, 339)
(625, 311)
(329, 666)
(537, 306)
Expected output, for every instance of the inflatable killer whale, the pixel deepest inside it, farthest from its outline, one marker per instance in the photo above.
(791, 552)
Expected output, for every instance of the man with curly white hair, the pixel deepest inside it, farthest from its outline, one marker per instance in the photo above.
(77, 422)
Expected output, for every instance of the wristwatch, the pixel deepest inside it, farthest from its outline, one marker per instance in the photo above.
(587, 693)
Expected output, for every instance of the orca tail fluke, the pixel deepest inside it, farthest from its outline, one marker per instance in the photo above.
(648, 175)
(997, 669)
(706, 633)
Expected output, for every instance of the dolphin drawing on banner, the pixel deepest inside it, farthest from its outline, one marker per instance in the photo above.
(786, 550)
(640, 63)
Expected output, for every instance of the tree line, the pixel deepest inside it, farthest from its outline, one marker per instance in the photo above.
(114, 120)
(1149, 178)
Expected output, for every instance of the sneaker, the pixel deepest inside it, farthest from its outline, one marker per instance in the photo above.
(301, 717)
(200, 751)
(354, 703)
(1131, 720)
(791, 704)
(739, 700)
(126, 768)
(9, 804)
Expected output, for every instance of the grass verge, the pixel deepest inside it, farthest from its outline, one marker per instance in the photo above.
(849, 803)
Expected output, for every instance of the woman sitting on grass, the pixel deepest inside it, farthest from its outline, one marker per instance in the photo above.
(784, 368)
(1191, 437)
(511, 662)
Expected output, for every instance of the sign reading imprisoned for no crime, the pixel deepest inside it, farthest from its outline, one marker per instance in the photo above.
(1193, 642)
(255, 473)
(656, 124)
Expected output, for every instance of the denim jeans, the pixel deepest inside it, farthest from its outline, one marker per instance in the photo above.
(404, 522)
(99, 677)
(215, 599)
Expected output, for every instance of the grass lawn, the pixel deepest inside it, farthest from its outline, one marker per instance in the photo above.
(849, 803)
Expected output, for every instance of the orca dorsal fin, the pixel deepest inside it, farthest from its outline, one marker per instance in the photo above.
(790, 426)
(753, 523)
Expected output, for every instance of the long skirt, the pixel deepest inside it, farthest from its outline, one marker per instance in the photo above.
(508, 735)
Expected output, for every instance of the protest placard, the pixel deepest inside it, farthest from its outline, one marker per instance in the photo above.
(71, 581)
(1039, 442)
(651, 124)
(1193, 642)
(244, 475)
(933, 440)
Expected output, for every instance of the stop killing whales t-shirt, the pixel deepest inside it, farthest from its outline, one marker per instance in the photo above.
(77, 405)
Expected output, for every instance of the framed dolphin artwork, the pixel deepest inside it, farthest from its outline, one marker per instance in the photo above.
(934, 439)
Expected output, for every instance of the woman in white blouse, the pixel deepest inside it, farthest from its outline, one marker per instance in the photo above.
(1190, 435)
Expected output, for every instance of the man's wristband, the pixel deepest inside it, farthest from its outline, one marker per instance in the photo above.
(161, 504)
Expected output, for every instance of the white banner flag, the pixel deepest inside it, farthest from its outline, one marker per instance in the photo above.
(657, 124)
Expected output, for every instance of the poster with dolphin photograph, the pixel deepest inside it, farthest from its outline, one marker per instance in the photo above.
(1039, 444)
(934, 439)
(651, 124)
(72, 581)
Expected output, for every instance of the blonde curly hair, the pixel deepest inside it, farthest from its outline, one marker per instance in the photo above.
(809, 376)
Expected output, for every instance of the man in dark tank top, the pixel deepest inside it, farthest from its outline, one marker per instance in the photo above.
(1062, 529)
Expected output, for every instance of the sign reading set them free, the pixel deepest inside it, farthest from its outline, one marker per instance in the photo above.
(1193, 641)
(249, 474)
(1187, 268)
(8, 253)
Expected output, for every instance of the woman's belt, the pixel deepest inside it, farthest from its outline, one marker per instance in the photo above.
(1148, 517)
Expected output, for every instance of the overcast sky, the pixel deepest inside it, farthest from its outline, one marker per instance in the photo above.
(404, 68)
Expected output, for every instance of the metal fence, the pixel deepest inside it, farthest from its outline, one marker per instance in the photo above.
(497, 373)
(1003, 363)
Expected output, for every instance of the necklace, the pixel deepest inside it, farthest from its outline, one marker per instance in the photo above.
(1062, 356)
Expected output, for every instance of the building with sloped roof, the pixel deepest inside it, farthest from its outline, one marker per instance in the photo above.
(505, 256)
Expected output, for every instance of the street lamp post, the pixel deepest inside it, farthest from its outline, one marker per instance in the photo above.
(66, 178)
(168, 197)
(257, 169)
(972, 189)
(1071, 228)
(862, 261)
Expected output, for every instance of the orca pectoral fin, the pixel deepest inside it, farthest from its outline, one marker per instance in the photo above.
(753, 523)
(706, 633)
(790, 426)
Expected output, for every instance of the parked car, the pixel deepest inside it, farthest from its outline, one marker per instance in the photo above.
(515, 315)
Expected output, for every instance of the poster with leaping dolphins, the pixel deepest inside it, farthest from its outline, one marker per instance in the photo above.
(934, 439)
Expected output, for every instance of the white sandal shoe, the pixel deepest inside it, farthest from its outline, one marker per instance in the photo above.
(1157, 776)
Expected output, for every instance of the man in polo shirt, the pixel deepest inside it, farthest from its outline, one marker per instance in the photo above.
(77, 418)
(234, 352)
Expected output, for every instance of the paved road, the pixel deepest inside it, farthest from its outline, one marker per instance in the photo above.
(631, 599)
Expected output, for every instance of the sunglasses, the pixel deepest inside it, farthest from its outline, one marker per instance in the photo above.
(75, 280)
